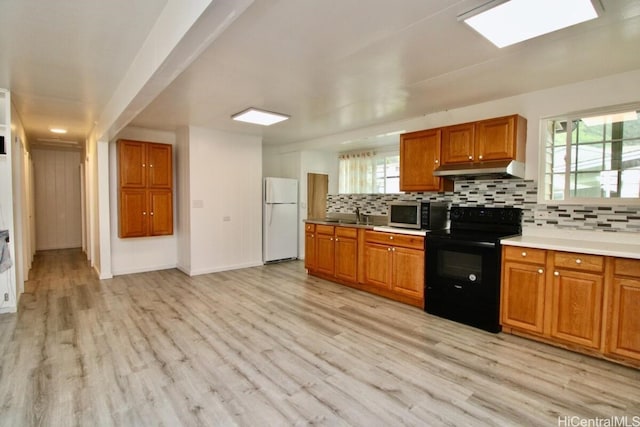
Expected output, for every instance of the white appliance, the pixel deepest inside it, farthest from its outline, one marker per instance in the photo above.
(280, 219)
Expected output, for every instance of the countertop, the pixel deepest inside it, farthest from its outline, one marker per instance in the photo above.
(382, 228)
(624, 245)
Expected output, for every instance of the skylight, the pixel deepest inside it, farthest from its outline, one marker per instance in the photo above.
(505, 23)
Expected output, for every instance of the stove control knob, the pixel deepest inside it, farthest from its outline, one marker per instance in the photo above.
(472, 277)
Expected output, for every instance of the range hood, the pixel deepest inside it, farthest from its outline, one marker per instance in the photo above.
(482, 170)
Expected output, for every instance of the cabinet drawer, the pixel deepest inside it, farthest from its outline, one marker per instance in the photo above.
(627, 267)
(392, 239)
(348, 232)
(514, 253)
(324, 229)
(579, 262)
(310, 227)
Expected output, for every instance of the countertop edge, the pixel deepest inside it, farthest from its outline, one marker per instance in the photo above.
(622, 250)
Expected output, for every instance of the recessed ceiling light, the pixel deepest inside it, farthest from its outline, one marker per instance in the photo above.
(259, 117)
(58, 130)
(506, 22)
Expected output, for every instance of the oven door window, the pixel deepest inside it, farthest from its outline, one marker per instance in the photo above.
(460, 266)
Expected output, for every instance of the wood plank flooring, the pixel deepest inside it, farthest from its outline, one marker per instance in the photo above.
(271, 346)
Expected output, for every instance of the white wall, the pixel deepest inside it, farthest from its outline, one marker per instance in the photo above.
(57, 198)
(225, 205)
(133, 255)
(8, 279)
(183, 198)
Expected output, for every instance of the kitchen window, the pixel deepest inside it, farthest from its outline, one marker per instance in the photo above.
(593, 157)
(369, 172)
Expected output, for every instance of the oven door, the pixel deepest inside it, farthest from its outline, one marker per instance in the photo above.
(462, 281)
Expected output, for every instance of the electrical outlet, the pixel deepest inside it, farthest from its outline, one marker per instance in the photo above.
(6, 296)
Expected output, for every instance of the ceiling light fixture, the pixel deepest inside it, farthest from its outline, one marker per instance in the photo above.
(506, 22)
(259, 117)
(58, 130)
(56, 141)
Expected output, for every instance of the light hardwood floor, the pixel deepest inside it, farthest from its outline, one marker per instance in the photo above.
(272, 346)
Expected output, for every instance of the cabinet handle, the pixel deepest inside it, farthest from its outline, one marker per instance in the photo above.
(389, 249)
(470, 157)
(393, 249)
(578, 261)
(540, 271)
(151, 214)
(524, 254)
(336, 239)
(312, 236)
(555, 273)
(150, 166)
(390, 237)
(144, 166)
(480, 157)
(331, 238)
(144, 213)
(437, 161)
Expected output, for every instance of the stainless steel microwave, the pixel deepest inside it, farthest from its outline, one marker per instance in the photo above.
(419, 215)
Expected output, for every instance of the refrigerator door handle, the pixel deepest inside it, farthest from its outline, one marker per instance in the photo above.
(269, 213)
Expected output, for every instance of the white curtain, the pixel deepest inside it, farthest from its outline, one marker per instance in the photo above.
(357, 172)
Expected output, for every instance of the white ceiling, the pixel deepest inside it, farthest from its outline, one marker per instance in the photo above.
(333, 65)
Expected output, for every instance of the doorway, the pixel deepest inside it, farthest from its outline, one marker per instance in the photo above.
(317, 189)
(58, 212)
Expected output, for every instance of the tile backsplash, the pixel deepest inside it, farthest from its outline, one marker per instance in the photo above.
(497, 193)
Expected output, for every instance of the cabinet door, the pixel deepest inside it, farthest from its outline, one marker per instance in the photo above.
(325, 248)
(346, 262)
(419, 156)
(624, 336)
(132, 161)
(576, 308)
(159, 166)
(522, 296)
(458, 144)
(160, 212)
(133, 213)
(407, 274)
(377, 265)
(496, 138)
(310, 251)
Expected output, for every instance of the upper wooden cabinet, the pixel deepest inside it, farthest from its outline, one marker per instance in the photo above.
(419, 156)
(501, 138)
(145, 189)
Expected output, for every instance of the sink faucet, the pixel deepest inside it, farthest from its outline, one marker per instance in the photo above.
(358, 214)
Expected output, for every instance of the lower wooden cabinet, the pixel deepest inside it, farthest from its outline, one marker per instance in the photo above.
(346, 253)
(584, 302)
(623, 338)
(523, 289)
(325, 249)
(576, 307)
(310, 256)
(387, 264)
(394, 265)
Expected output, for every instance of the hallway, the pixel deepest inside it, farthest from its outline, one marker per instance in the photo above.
(272, 346)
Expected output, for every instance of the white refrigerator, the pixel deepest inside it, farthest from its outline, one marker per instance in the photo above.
(279, 219)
